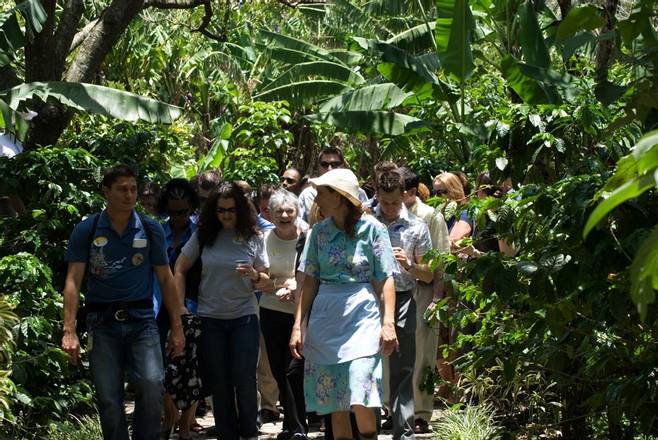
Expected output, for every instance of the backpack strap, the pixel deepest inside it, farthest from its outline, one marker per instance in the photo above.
(92, 232)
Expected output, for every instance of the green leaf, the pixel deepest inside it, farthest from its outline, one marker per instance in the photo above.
(381, 122)
(583, 18)
(627, 191)
(219, 148)
(457, 58)
(296, 45)
(303, 93)
(375, 97)
(415, 39)
(325, 69)
(530, 35)
(347, 57)
(536, 85)
(643, 274)
(607, 93)
(95, 99)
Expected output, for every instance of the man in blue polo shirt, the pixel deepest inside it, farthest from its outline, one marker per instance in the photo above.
(121, 250)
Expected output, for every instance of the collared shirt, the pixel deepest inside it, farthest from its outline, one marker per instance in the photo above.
(119, 266)
(262, 224)
(331, 256)
(435, 222)
(411, 234)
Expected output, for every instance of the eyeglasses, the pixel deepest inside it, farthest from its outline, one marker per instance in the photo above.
(178, 212)
(440, 192)
(289, 180)
(332, 164)
(223, 210)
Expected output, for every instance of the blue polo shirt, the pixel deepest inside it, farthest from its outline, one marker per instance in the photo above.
(119, 266)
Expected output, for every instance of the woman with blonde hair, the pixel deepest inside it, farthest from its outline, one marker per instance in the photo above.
(459, 224)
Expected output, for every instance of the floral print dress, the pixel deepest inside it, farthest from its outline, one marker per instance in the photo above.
(343, 366)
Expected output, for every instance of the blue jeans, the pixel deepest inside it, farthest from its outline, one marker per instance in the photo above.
(131, 346)
(229, 349)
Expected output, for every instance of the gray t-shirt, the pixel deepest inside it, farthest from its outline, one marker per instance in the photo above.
(224, 293)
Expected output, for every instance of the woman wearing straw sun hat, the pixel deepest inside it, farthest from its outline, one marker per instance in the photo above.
(347, 260)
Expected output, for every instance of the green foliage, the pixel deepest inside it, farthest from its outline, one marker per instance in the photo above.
(94, 99)
(260, 142)
(12, 37)
(45, 386)
(474, 422)
(83, 428)
(8, 320)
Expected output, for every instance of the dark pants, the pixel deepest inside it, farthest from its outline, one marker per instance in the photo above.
(401, 367)
(230, 353)
(287, 371)
(130, 346)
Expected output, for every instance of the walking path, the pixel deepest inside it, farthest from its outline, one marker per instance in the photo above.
(269, 431)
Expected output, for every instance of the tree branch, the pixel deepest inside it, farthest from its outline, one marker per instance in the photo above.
(205, 22)
(294, 4)
(101, 38)
(82, 34)
(66, 30)
(175, 4)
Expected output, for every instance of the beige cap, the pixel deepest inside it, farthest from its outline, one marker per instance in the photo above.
(342, 180)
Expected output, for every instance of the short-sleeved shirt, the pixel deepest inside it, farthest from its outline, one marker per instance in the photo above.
(172, 254)
(223, 292)
(463, 215)
(411, 234)
(119, 266)
(282, 255)
(331, 256)
(435, 222)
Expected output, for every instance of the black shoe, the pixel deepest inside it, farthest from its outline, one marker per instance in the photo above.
(268, 416)
(387, 425)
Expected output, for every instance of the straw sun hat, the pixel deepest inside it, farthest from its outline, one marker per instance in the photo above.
(342, 180)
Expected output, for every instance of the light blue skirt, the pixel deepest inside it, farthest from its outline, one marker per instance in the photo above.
(336, 387)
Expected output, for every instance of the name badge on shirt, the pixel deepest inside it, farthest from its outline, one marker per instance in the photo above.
(139, 243)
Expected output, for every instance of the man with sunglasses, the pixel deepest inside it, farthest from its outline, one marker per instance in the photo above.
(329, 158)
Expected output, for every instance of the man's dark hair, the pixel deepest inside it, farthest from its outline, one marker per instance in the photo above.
(265, 192)
(390, 181)
(208, 180)
(411, 179)
(113, 174)
(332, 150)
(178, 189)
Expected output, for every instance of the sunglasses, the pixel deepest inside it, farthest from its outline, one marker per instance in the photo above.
(440, 192)
(223, 210)
(333, 164)
(178, 212)
(289, 180)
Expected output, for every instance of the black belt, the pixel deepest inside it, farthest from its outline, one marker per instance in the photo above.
(119, 309)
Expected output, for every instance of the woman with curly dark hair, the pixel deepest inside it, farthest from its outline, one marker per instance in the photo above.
(234, 259)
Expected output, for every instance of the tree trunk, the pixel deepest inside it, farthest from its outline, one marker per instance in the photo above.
(606, 47)
(46, 57)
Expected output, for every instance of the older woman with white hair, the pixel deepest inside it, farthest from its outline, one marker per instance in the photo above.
(347, 261)
(277, 309)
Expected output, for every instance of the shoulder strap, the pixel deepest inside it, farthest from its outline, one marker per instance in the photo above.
(147, 228)
(92, 232)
